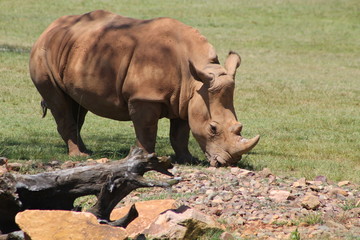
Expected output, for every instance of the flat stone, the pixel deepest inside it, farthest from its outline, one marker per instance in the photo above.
(343, 183)
(340, 191)
(240, 221)
(102, 160)
(244, 173)
(60, 225)
(209, 192)
(272, 179)
(316, 183)
(300, 183)
(182, 223)
(314, 188)
(279, 195)
(217, 199)
(321, 179)
(227, 197)
(226, 236)
(310, 202)
(68, 164)
(148, 212)
(265, 173)
(234, 170)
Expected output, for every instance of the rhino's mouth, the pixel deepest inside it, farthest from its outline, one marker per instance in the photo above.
(221, 160)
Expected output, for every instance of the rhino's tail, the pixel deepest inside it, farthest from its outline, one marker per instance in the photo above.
(44, 107)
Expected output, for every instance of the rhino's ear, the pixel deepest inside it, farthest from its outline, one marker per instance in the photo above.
(232, 62)
(199, 74)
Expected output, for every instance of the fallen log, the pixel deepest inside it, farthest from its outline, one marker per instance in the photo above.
(57, 190)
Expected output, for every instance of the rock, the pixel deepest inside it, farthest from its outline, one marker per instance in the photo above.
(148, 212)
(54, 163)
(265, 173)
(234, 170)
(338, 191)
(245, 173)
(60, 225)
(300, 183)
(226, 236)
(14, 166)
(102, 160)
(227, 197)
(321, 179)
(240, 221)
(316, 183)
(310, 202)
(209, 192)
(279, 195)
(335, 225)
(241, 172)
(217, 211)
(68, 164)
(182, 223)
(17, 235)
(217, 199)
(343, 183)
(247, 207)
(314, 188)
(355, 212)
(212, 195)
(272, 179)
(3, 160)
(2, 170)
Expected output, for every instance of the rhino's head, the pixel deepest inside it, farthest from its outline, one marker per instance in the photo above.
(212, 116)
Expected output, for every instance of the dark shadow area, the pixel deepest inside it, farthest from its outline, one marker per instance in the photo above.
(26, 150)
(193, 162)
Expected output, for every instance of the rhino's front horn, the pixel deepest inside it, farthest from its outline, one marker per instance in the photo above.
(247, 144)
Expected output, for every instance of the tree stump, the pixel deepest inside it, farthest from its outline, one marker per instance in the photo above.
(57, 190)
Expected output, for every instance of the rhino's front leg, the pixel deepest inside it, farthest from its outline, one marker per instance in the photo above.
(179, 138)
(145, 117)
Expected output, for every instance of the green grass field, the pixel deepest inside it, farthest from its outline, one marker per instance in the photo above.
(298, 85)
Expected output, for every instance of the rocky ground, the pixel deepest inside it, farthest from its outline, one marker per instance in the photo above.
(257, 205)
(260, 205)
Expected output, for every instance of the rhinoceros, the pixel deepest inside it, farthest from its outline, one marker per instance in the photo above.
(135, 70)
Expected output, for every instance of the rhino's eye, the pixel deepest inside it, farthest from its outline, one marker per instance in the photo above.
(213, 129)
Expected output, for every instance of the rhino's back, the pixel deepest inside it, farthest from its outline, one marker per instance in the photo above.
(103, 60)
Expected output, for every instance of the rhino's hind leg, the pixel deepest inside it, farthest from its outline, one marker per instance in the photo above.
(179, 138)
(69, 117)
(79, 114)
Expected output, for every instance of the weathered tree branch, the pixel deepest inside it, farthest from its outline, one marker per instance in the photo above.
(111, 182)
